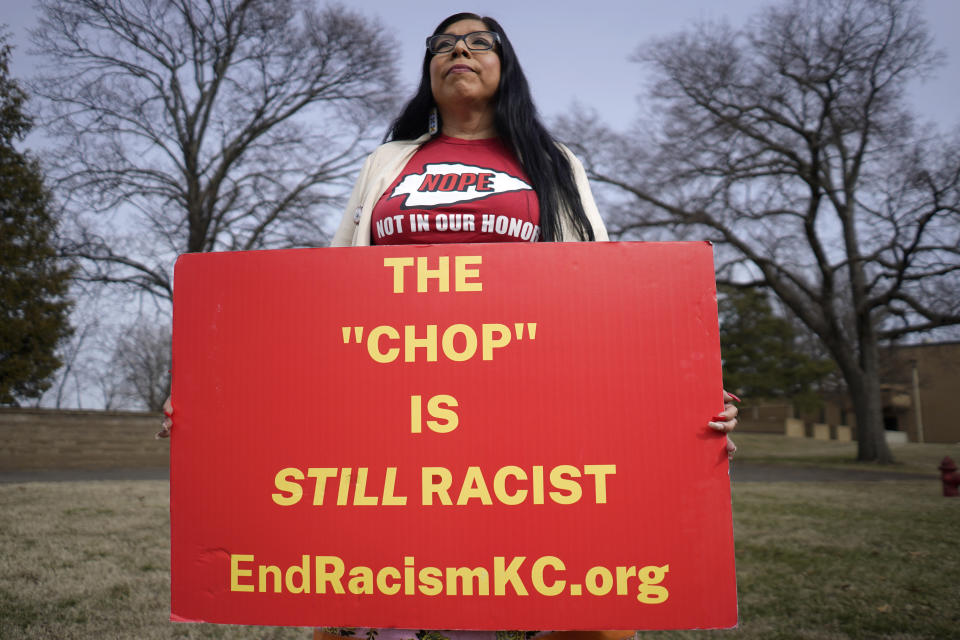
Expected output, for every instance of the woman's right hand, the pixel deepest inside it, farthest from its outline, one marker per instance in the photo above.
(167, 423)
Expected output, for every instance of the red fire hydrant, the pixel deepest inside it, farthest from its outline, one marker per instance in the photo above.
(949, 476)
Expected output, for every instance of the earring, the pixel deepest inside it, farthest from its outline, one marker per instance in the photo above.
(432, 122)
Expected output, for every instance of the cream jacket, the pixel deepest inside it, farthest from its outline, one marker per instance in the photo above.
(384, 165)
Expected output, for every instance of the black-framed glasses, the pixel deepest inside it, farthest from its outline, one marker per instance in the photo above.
(475, 41)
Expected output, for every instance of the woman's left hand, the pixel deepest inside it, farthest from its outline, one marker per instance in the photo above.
(167, 423)
(726, 421)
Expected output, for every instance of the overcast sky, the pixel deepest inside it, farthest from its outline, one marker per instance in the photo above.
(579, 51)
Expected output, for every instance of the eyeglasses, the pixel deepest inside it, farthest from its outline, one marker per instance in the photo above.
(476, 41)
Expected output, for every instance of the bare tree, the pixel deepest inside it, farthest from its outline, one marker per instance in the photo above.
(89, 377)
(70, 354)
(787, 145)
(142, 359)
(187, 126)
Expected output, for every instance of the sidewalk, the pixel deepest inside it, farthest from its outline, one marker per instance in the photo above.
(739, 472)
(761, 472)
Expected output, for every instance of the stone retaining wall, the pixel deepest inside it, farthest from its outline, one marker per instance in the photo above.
(45, 439)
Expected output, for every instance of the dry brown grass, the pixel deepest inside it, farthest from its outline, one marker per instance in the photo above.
(871, 560)
(814, 560)
(91, 560)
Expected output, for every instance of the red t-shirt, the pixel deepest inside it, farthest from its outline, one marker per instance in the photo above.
(455, 190)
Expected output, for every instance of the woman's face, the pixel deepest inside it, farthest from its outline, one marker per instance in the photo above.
(463, 75)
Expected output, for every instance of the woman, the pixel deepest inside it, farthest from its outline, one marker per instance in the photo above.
(467, 145)
(473, 109)
(469, 161)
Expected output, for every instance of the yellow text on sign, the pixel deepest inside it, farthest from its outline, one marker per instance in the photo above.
(458, 342)
(509, 485)
(465, 277)
(548, 576)
(438, 407)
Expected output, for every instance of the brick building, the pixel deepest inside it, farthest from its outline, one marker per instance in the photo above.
(921, 391)
(921, 398)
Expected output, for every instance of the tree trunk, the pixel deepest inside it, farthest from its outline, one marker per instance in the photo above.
(868, 407)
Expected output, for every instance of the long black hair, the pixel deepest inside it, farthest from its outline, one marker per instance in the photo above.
(519, 126)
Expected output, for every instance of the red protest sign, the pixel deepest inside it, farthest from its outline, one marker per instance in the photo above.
(450, 437)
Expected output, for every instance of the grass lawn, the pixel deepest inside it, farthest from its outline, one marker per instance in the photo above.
(814, 560)
(845, 560)
(92, 560)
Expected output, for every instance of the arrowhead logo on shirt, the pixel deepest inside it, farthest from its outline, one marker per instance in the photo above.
(446, 184)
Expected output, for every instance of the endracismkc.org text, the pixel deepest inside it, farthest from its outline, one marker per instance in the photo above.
(518, 575)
